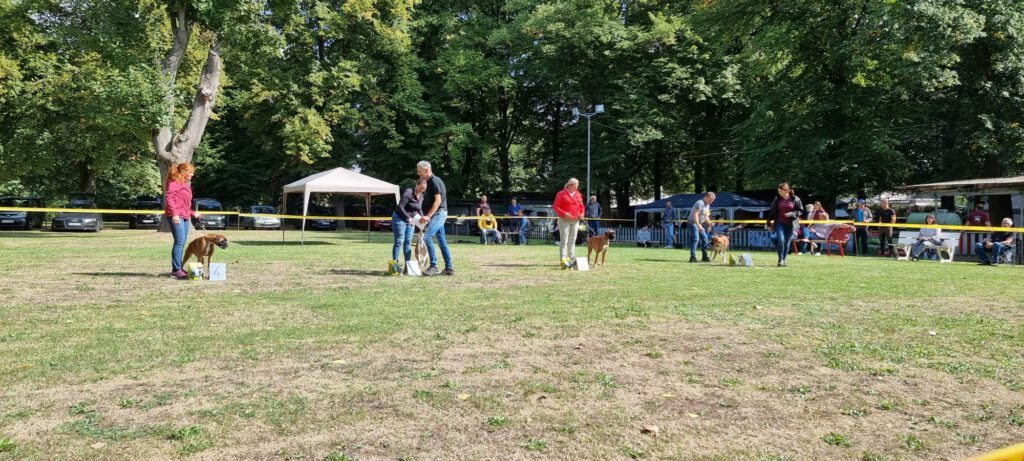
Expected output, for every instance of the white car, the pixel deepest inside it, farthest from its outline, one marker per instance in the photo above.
(261, 222)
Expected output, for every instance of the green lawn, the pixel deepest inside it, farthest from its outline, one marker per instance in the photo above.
(310, 352)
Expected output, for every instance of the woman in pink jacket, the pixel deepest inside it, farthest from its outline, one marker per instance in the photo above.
(178, 209)
(569, 209)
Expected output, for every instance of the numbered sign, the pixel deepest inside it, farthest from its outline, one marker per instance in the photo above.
(582, 264)
(218, 272)
(413, 268)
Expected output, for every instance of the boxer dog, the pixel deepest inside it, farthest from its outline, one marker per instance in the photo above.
(720, 246)
(203, 248)
(599, 244)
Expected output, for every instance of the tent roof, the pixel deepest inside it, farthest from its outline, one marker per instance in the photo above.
(722, 200)
(342, 181)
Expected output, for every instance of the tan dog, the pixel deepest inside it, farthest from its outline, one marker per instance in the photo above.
(600, 244)
(203, 248)
(422, 256)
(720, 246)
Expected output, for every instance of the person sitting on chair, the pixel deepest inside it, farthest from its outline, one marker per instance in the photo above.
(523, 227)
(488, 226)
(996, 243)
(927, 239)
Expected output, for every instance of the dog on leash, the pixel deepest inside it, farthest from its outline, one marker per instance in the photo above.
(202, 248)
(422, 256)
(598, 244)
(720, 246)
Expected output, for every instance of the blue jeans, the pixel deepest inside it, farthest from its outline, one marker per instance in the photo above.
(592, 225)
(487, 235)
(180, 233)
(670, 235)
(522, 236)
(403, 237)
(997, 251)
(783, 238)
(436, 228)
(921, 245)
(700, 238)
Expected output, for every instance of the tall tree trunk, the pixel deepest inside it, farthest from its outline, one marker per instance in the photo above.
(86, 177)
(173, 148)
(659, 170)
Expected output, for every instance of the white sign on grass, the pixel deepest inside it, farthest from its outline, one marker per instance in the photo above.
(218, 272)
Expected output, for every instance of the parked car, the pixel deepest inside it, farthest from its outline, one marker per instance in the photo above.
(260, 222)
(22, 219)
(139, 221)
(376, 224)
(321, 224)
(208, 208)
(84, 220)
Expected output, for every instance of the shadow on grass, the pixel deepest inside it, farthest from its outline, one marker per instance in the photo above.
(32, 233)
(662, 260)
(512, 265)
(121, 274)
(364, 273)
(273, 243)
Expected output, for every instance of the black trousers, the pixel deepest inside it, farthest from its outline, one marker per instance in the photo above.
(862, 241)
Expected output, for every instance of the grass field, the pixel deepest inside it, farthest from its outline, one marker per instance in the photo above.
(311, 353)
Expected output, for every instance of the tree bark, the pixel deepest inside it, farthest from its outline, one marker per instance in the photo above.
(173, 148)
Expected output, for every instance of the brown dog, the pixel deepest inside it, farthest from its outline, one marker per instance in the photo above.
(719, 246)
(203, 248)
(599, 244)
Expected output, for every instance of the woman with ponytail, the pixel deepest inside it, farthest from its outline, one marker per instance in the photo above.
(178, 209)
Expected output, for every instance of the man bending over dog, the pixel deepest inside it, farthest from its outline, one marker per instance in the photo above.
(435, 203)
(700, 223)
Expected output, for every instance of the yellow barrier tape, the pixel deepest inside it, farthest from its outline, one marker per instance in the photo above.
(104, 211)
(1013, 453)
(385, 218)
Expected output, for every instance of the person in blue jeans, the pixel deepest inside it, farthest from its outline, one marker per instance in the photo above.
(402, 223)
(668, 222)
(783, 215)
(996, 243)
(524, 226)
(699, 223)
(435, 202)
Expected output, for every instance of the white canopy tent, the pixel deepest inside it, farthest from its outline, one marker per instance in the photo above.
(337, 181)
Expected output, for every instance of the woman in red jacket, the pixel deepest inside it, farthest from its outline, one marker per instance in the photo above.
(569, 209)
(178, 209)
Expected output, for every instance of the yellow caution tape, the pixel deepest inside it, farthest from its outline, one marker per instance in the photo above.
(1012, 453)
(385, 218)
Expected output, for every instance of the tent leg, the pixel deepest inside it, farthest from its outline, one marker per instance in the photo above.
(367, 215)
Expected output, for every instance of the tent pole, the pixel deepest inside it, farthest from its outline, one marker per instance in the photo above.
(367, 215)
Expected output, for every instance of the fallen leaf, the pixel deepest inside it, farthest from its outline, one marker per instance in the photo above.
(463, 396)
(693, 415)
(668, 395)
(757, 307)
(541, 397)
(578, 346)
(652, 430)
(339, 362)
(98, 445)
(933, 333)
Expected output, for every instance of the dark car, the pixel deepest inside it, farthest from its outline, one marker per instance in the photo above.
(139, 221)
(376, 224)
(321, 224)
(21, 219)
(208, 208)
(260, 222)
(84, 220)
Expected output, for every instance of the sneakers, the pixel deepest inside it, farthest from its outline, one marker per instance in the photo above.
(984, 263)
(431, 271)
(705, 259)
(782, 263)
(179, 274)
(693, 259)
(448, 271)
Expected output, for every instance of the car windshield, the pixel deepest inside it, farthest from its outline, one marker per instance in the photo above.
(202, 206)
(264, 210)
(148, 206)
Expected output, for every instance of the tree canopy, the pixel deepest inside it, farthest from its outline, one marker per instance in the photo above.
(840, 97)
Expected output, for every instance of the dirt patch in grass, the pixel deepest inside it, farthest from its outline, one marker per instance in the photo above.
(522, 392)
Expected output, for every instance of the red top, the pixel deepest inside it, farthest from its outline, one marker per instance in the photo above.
(569, 204)
(977, 218)
(178, 200)
(786, 205)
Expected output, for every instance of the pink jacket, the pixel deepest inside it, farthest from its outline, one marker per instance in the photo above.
(178, 200)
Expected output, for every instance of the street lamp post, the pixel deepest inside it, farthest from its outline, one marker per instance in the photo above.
(598, 109)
